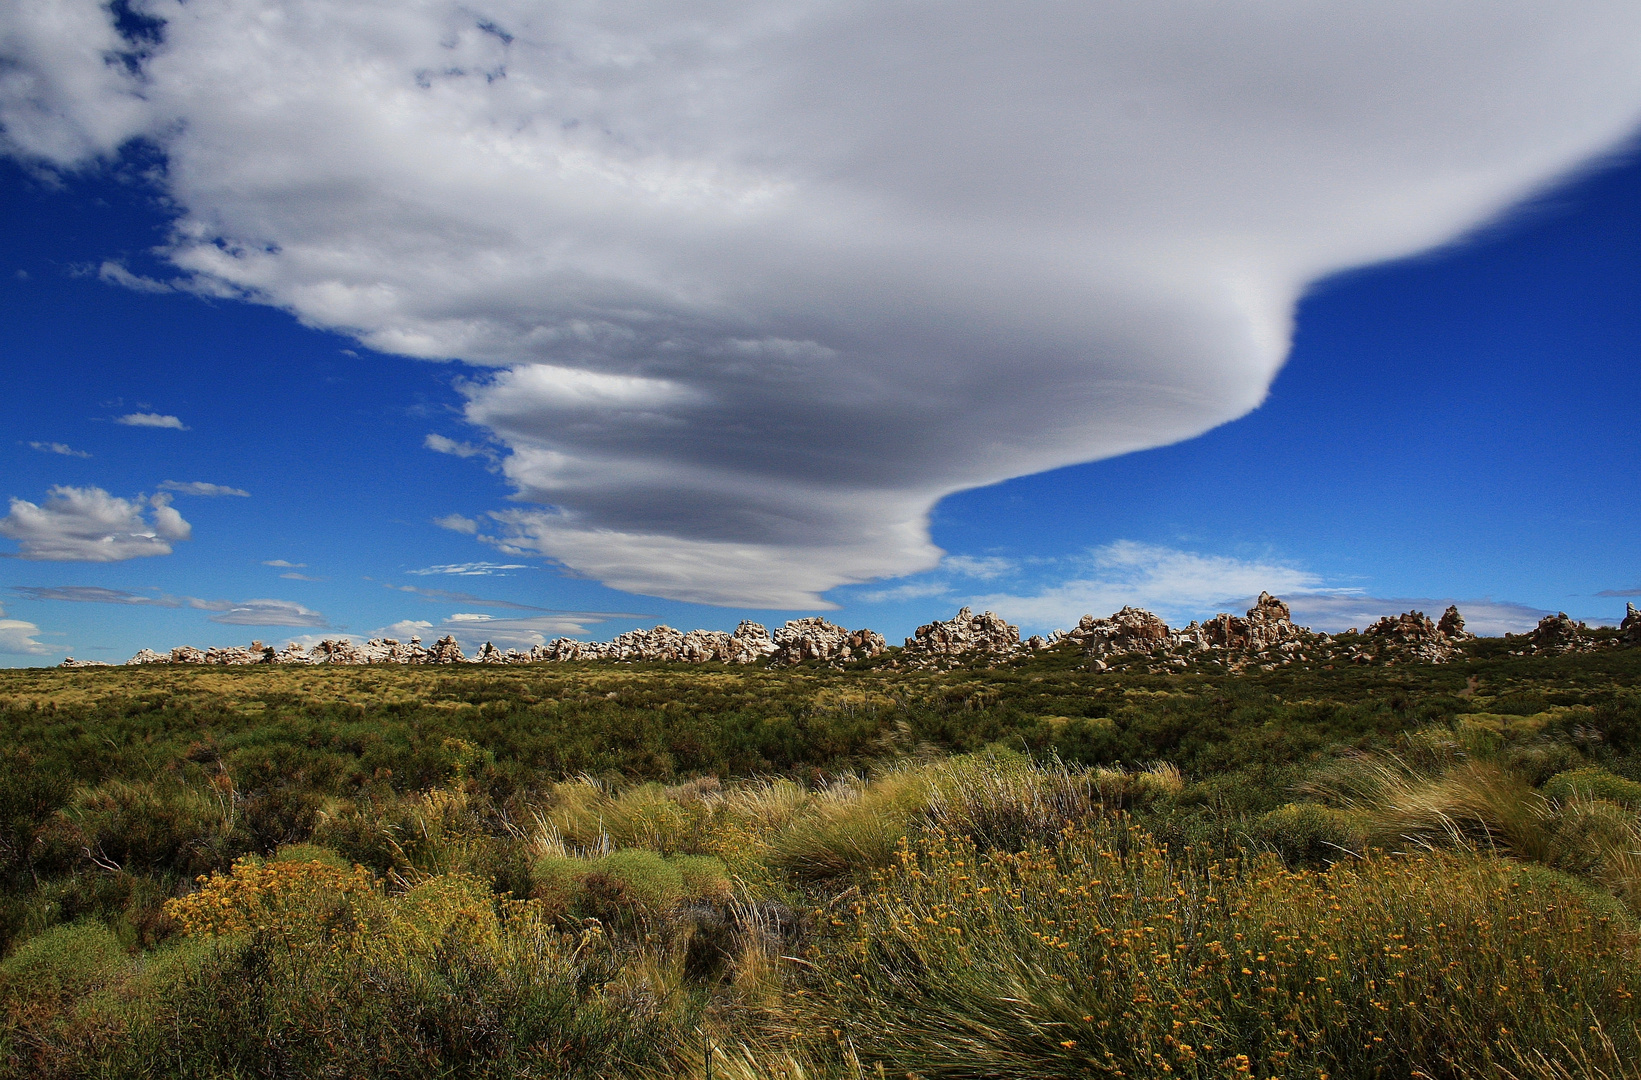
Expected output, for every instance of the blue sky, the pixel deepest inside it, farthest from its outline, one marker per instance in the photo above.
(334, 430)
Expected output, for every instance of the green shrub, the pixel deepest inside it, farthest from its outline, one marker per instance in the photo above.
(642, 881)
(311, 853)
(1593, 783)
(704, 877)
(1309, 834)
(555, 880)
(65, 962)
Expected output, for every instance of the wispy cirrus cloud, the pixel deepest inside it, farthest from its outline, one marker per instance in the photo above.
(59, 448)
(96, 594)
(116, 274)
(284, 565)
(151, 420)
(1619, 592)
(90, 525)
(458, 449)
(737, 275)
(470, 569)
(204, 490)
(230, 612)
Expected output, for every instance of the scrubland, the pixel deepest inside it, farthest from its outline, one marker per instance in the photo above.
(643, 871)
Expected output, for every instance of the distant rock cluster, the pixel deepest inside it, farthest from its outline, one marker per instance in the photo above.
(1558, 634)
(797, 641)
(1265, 637)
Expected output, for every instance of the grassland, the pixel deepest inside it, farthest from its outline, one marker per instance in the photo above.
(1028, 871)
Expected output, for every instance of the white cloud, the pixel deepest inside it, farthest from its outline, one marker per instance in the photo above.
(196, 487)
(1178, 585)
(59, 448)
(149, 419)
(283, 564)
(90, 525)
(470, 569)
(457, 523)
(294, 576)
(767, 280)
(17, 638)
(261, 613)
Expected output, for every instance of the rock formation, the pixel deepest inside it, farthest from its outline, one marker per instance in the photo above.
(69, 661)
(1631, 626)
(964, 637)
(1557, 634)
(1131, 630)
(1412, 636)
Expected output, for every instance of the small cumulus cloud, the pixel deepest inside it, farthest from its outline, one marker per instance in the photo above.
(470, 569)
(17, 638)
(282, 564)
(90, 525)
(294, 576)
(457, 523)
(149, 419)
(59, 448)
(196, 487)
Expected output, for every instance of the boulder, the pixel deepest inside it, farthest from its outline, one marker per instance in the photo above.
(1411, 636)
(1631, 626)
(70, 662)
(148, 656)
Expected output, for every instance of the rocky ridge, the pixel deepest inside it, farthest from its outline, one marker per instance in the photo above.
(1265, 637)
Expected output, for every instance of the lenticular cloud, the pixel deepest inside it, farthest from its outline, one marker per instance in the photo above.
(763, 281)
